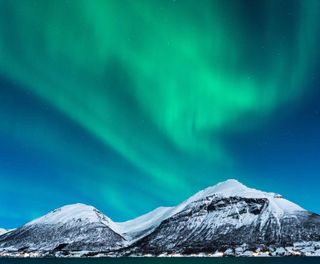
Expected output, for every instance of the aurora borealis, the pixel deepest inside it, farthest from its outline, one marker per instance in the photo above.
(129, 105)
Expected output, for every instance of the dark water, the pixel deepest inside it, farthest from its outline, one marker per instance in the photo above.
(283, 260)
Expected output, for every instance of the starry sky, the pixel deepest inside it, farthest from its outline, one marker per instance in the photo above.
(130, 105)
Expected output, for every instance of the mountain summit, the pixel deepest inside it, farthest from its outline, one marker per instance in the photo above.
(233, 188)
(74, 213)
(227, 216)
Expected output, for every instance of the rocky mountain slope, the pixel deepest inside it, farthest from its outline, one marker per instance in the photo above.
(72, 227)
(230, 215)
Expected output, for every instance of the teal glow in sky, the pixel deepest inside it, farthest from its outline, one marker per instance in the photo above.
(129, 105)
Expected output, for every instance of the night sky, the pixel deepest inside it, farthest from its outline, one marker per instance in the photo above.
(130, 105)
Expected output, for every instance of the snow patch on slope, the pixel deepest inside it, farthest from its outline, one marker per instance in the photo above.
(145, 222)
(3, 231)
(72, 213)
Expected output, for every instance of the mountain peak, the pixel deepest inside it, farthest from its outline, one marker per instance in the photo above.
(229, 187)
(72, 212)
(230, 183)
(233, 188)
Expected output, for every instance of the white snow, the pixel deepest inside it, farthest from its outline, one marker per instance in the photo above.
(145, 222)
(3, 231)
(74, 212)
(68, 213)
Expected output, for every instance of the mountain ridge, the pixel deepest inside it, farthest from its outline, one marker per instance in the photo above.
(228, 214)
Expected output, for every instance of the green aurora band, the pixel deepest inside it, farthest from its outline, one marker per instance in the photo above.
(160, 81)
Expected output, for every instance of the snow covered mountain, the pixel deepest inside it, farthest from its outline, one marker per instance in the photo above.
(230, 214)
(142, 225)
(228, 217)
(72, 227)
